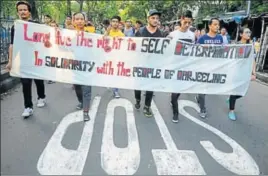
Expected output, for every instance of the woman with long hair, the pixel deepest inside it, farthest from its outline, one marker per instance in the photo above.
(83, 92)
(244, 34)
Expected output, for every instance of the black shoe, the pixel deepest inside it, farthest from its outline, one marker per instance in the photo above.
(86, 117)
(203, 113)
(137, 105)
(175, 118)
(50, 82)
(147, 111)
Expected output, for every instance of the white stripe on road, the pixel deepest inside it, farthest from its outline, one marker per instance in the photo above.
(239, 161)
(114, 160)
(57, 160)
(172, 161)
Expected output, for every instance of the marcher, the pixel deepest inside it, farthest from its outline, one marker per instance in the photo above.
(244, 34)
(212, 37)
(114, 31)
(83, 92)
(183, 33)
(24, 13)
(151, 30)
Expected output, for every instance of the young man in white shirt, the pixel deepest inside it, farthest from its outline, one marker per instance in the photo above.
(182, 33)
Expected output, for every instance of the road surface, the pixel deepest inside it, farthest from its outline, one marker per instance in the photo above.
(55, 140)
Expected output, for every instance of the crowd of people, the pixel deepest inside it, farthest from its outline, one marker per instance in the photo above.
(114, 27)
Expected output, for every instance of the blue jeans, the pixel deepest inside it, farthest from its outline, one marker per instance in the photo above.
(115, 90)
(83, 94)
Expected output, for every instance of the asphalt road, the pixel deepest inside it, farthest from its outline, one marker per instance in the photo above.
(56, 141)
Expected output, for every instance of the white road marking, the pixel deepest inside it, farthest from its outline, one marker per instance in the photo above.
(238, 162)
(172, 161)
(57, 160)
(114, 160)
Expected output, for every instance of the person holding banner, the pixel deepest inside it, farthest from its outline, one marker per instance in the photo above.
(244, 33)
(114, 31)
(212, 37)
(24, 13)
(183, 33)
(151, 30)
(83, 92)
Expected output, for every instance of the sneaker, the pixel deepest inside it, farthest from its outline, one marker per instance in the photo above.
(79, 106)
(41, 102)
(175, 118)
(203, 113)
(137, 105)
(50, 82)
(86, 116)
(232, 116)
(27, 112)
(116, 95)
(147, 112)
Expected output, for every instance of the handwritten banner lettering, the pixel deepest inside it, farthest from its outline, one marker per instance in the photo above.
(156, 64)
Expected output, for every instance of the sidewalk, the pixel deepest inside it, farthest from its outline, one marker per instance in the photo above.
(262, 76)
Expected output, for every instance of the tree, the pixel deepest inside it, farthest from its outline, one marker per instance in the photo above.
(68, 4)
(34, 12)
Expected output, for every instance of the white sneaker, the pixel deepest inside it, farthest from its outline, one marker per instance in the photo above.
(27, 112)
(41, 103)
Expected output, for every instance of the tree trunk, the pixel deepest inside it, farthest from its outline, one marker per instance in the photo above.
(81, 5)
(34, 12)
(69, 13)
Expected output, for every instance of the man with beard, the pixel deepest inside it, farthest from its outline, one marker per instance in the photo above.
(24, 13)
(185, 34)
(151, 30)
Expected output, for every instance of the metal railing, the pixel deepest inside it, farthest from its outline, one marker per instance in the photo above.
(5, 35)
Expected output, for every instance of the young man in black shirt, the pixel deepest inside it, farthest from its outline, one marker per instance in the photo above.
(151, 30)
(24, 12)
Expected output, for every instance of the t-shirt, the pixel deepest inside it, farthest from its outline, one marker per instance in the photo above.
(225, 39)
(116, 33)
(187, 36)
(13, 31)
(129, 32)
(143, 32)
(205, 39)
(90, 29)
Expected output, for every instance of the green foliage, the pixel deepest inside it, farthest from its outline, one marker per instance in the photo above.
(100, 10)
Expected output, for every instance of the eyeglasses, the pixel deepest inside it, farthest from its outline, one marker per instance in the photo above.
(247, 32)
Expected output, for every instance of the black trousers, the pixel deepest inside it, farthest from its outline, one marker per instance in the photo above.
(148, 97)
(27, 90)
(232, 101)
(79, 93)
(174, 102)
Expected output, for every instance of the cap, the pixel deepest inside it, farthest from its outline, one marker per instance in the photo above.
(153, 12)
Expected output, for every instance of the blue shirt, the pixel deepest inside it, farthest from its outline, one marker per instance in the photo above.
(205, 39)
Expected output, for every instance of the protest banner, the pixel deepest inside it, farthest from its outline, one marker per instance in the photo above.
(156, 64)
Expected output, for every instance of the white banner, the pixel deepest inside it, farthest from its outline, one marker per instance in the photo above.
(156, 64)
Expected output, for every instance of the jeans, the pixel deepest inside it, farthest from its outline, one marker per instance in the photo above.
(174, 102)
(115, 90)
(201, 100)
(27, 91)
(232, 101)
(148, 97)
(83, 94)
